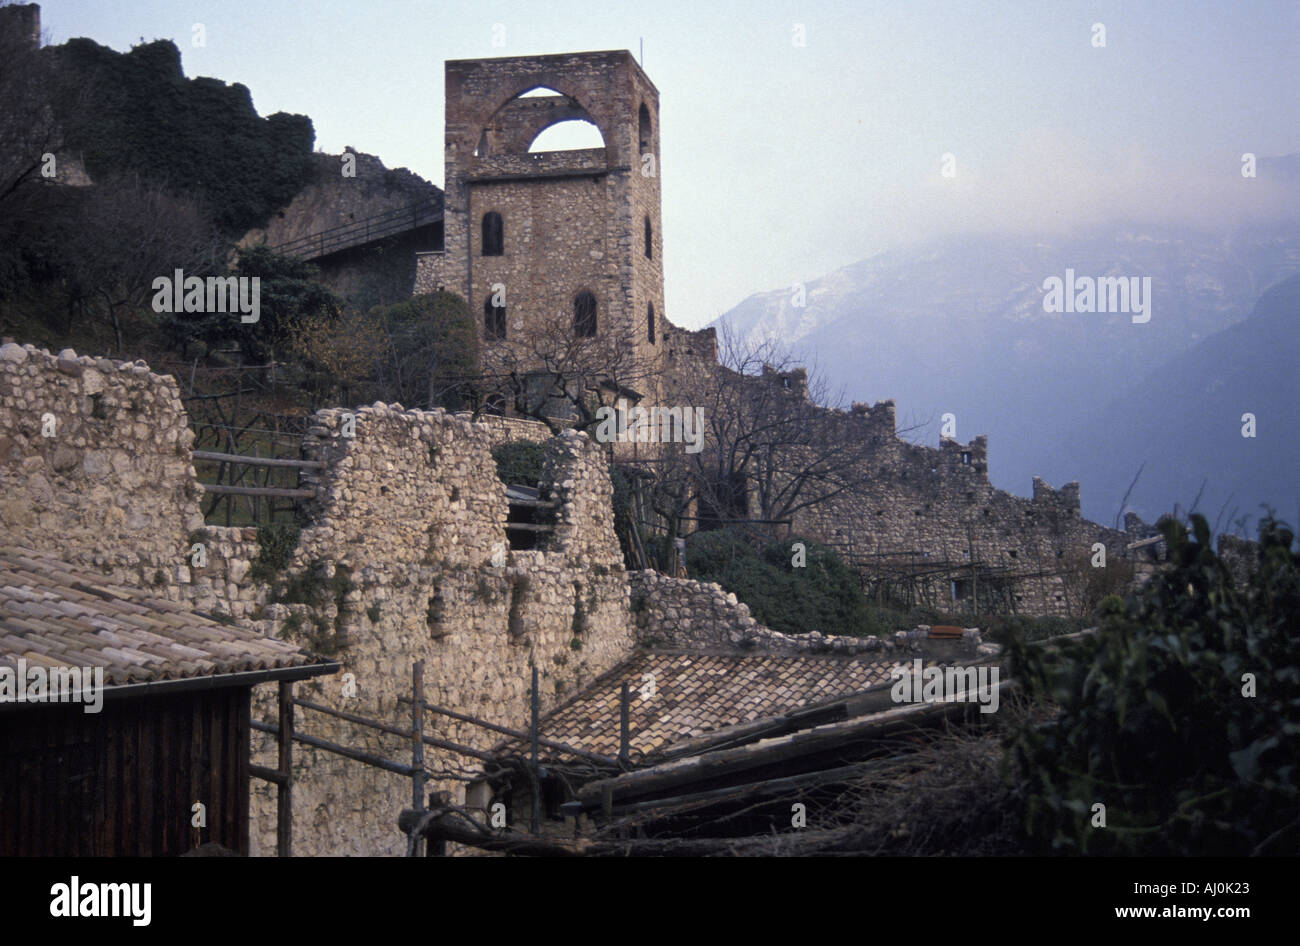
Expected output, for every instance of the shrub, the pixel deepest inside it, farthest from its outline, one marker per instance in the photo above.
(278, 541)
(823, 595)
(520, 462)
(1156, 718)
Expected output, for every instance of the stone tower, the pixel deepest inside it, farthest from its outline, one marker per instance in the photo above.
(573, 237)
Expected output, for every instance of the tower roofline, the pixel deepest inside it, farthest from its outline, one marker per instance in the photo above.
(556, 58)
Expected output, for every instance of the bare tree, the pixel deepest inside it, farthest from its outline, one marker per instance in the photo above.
(771, 449)
(560, 377)
(28, 96)
(132, 231)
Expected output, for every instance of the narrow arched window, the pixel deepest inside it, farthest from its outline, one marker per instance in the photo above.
(494, 319)
(643, 128)
(649, 240)
(494, 239)
(650, 323)
(584, 314)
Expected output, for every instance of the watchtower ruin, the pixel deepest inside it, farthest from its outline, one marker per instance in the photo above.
(536, 239)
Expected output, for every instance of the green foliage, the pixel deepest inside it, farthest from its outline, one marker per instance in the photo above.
(1154, 719)
(289, 291)
(277, 541)
(432, 349)
(824, 595)
(199, 135)
(319, 636)
(520, 462)
(1001, 628)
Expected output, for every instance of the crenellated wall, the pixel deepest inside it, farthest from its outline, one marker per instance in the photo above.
(935, 508)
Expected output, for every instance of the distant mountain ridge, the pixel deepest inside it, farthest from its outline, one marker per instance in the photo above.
(957, 325)
(1185, 422)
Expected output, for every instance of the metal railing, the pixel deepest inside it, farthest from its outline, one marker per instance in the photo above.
(360, 232)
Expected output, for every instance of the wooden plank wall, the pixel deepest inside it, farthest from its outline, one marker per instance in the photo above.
(124, 781)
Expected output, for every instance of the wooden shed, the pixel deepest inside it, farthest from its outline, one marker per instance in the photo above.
(118, 768)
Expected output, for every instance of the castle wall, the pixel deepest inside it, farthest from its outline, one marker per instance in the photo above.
(932, 506)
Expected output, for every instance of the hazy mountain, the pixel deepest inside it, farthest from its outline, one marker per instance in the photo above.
(1184, 421)
(958, 325)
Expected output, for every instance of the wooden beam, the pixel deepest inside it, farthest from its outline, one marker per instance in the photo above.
(284, 792)
(396, 731)
(529, 527)
(217, 488)
(257, 461)
(731, 763)
(516, 733)
(274, 776)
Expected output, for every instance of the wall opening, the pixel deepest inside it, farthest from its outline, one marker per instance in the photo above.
(649, 239)
(650, 323)
(494, 239)
(644, 134)
(579, 611)
(575, 134)
(435, 614)
(584, 314)
(518, 592)
(494, 320)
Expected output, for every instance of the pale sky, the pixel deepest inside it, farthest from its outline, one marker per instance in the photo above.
(782, 162)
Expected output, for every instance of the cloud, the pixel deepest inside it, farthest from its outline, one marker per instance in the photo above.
(1052, 182)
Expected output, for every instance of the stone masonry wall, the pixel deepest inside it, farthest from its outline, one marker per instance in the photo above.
(402, 556)
(922, 503)
(682, 614)
(572, 220)
(927, 506)
(95, 463)
(412, 516)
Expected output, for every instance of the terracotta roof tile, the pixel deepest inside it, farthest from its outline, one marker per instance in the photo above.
(696, 694)
(60, 615)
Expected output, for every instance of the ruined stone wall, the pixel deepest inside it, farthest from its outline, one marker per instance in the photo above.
(930, 506)
(921, 508)
(329, 199)
(95, 463)
(682, 614)
(402, 556)
(413, 515)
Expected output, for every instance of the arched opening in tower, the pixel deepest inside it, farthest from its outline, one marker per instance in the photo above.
(573, 135)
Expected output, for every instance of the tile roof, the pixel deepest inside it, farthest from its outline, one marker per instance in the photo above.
(56, 614)
(696, 694)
